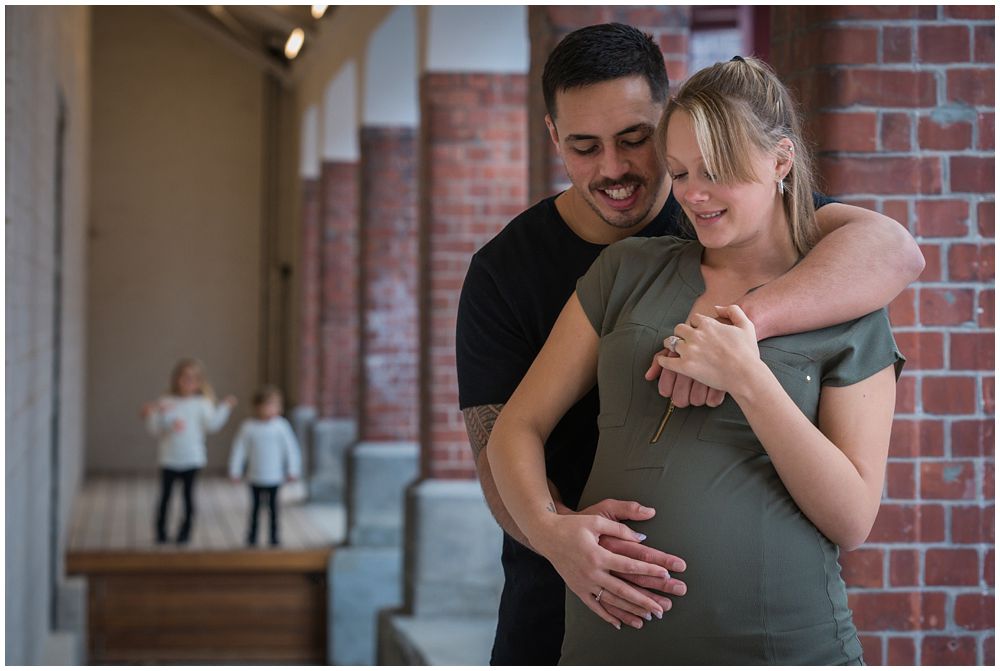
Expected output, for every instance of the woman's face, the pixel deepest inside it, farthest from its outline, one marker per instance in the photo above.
(189, 381)
(723, 215)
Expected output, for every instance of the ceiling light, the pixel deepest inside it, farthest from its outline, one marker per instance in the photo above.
(294, 43)
(318, 11)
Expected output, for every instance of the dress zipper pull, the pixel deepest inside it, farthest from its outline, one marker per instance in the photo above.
(663, 423)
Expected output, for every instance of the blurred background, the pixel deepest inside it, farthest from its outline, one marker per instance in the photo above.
(292, 195)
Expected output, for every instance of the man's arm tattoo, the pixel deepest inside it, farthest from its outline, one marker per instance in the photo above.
(479, 423)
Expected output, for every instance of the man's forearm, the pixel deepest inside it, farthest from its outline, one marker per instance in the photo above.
(479, 423)
(862, 264)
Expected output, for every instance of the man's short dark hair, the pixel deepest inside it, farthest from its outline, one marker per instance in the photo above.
(600, 53)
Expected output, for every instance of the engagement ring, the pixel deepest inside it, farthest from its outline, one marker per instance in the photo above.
(672, 342)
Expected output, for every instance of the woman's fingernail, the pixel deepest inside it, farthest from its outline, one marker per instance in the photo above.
(640, 537)
(659, 615)
(649, 617)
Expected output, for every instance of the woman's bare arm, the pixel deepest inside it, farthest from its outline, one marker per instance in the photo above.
(563, 372)
(834, 472)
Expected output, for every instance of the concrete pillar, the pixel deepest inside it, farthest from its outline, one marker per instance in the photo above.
(329, 443)
(307, 390)
(473, 180)
(365, 577)
(337, 427)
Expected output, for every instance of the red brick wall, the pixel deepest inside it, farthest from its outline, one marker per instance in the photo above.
(339, 321)
(901, 103)
(389, 283)
(669, 25)
(308, 374)
(473, 166)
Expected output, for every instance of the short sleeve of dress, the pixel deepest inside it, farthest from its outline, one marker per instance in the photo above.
(863, 350)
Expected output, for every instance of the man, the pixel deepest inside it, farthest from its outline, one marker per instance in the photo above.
(605, 88)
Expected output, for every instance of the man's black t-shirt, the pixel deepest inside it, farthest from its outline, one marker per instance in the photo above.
(516, 286)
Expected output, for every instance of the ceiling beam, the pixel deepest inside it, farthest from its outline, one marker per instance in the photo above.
(214, 31)
(274, 20)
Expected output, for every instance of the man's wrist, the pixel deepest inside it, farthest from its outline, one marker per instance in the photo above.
(761, 324)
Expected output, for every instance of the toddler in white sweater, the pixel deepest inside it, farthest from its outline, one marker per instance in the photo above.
(265, 447)
(180, 420)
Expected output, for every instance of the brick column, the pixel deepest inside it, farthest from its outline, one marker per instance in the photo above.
(474, 180)
(669, 26)
(901, 102)
(365, 575)
(336, 428)
(389, 286)
(309, 255)
(339, 330)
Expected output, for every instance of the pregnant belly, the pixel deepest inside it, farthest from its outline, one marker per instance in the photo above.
(755, 563)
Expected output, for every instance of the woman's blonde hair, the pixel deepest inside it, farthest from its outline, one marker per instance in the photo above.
(204, 388)
(739, 106)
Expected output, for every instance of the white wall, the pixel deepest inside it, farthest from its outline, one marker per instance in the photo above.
(478, 39)
(390, 90)
(175, 227)
(340, 116)
(309, 163)
(47, 52)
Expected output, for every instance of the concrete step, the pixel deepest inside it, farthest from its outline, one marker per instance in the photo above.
(406, 640)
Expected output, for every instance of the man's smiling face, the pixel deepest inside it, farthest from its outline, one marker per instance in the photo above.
(605, 134)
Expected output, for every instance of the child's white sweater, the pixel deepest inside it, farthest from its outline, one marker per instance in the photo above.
(185, 448)
(268, 450)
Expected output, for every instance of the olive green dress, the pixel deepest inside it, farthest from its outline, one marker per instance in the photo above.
(764, 585)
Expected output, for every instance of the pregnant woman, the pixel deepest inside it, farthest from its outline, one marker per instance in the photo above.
(757, 494)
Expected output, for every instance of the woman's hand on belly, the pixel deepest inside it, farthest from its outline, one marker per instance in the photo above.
(571, 544)
(623, 511)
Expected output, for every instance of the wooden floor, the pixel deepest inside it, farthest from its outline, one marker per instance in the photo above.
(118, 514)
(212, 600)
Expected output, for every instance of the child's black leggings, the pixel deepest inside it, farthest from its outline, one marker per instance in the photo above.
(258, 492)
(167, 477)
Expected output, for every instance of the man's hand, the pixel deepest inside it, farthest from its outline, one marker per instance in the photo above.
(615, 510)
(723, 355)
(681, 389)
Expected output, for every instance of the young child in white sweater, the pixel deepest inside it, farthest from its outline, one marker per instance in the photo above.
(180, 421)
(266, 447)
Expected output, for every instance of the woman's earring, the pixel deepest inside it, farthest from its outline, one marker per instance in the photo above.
(781, 187)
